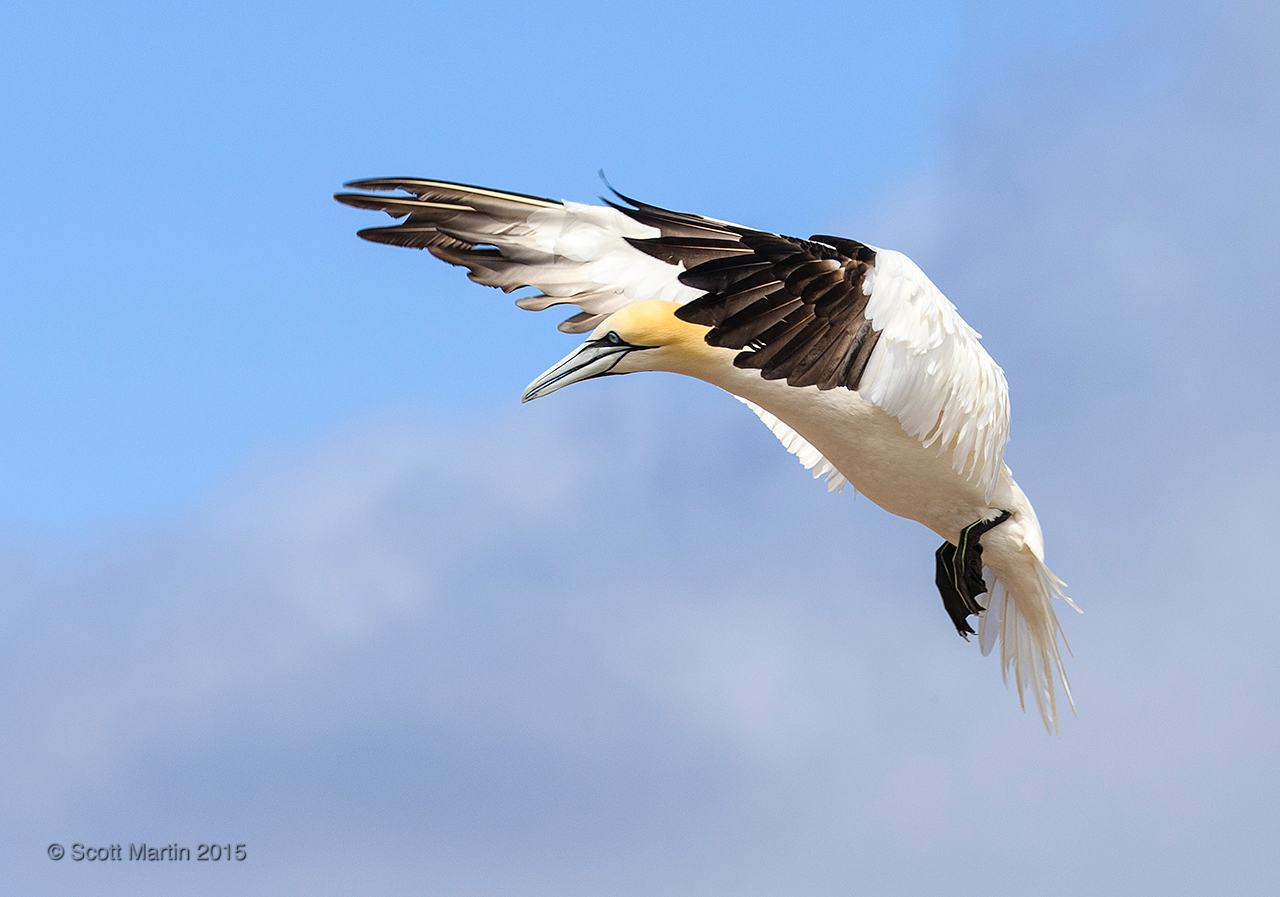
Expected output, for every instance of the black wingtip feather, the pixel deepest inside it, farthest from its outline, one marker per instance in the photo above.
(635, 203)
(385, 185)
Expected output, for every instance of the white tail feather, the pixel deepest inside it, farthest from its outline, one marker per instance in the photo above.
(1020, 615)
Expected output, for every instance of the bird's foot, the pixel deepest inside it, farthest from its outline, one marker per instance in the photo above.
(959, 575)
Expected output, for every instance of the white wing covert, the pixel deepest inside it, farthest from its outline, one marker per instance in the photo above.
(930, 372)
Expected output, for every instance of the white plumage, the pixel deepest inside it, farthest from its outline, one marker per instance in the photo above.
(931, 373)
(848, 353)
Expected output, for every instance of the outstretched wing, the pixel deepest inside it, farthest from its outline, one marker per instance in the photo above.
(830, 312)
(574, 253)
(824, 312)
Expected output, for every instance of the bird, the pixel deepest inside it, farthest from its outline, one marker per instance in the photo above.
(854, 359)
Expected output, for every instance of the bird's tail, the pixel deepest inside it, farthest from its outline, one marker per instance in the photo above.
(1019, 614)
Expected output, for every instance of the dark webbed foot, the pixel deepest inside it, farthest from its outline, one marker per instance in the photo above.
(959, 575)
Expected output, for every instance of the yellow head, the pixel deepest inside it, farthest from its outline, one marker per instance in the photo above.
(643, 336)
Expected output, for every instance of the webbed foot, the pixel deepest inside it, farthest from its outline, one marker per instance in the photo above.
(959, 575)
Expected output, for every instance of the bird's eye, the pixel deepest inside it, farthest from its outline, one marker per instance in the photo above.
(613, 339)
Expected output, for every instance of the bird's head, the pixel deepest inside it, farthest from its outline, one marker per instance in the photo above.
(643, 336)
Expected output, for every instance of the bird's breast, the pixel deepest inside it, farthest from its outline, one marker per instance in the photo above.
(870, 448)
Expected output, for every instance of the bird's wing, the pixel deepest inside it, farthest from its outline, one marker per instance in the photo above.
(824, 312)
(576, 254)
(929, 370)
(834, 313)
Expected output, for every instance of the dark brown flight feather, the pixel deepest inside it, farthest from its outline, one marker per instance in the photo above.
(796, 308)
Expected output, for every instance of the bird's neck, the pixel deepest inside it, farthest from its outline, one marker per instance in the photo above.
(685, 349)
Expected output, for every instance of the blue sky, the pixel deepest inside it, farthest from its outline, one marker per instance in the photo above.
(182, 289)
(286, 563)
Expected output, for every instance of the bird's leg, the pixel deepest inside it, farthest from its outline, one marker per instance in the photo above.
(959, 575)
(952, 600)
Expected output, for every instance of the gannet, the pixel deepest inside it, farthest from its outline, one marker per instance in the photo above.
(848, 353)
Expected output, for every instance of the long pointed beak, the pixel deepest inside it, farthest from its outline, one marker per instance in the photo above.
(592, 359)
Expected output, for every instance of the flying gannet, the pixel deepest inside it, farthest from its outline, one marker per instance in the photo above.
(848, 353)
